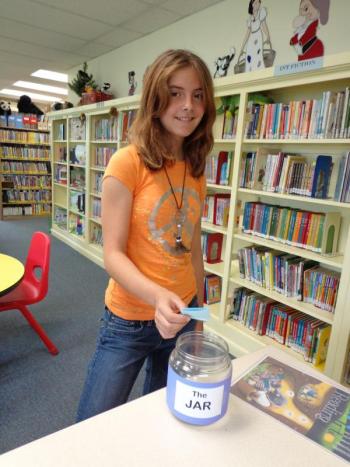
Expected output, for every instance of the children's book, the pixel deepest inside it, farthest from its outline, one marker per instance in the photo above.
(322, 174)
(308, 405)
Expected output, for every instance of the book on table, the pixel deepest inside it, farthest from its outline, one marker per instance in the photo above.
(308, 405)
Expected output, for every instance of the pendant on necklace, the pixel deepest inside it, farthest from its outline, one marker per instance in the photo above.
(180, 219)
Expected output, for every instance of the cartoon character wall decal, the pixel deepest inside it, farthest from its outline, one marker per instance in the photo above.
(305, 40)
(222, 63)
(256, 52)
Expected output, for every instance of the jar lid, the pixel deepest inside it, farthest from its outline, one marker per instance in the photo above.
(204, 349)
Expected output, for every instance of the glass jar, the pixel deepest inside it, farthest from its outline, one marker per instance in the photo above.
(199, 378)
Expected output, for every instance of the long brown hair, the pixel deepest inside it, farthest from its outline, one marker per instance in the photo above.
(147, 132)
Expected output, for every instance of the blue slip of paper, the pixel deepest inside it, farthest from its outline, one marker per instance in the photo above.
(199, 313)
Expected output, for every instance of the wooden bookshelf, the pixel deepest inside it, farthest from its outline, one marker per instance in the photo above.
(335, 76)
(25, 172)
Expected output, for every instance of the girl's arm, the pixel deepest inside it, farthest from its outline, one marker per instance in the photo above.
(198, 266)
(116, 213)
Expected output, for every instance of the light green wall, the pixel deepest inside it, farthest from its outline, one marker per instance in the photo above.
(211, 33)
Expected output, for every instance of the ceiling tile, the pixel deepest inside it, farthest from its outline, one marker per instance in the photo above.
(14, 30)
(43, 53)
(184, 7)
(93, 49)
(154, 2)
(111, 12)
(118, 37)
(153, 19)
(37, 14)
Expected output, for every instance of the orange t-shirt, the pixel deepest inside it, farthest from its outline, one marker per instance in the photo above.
(152, 231)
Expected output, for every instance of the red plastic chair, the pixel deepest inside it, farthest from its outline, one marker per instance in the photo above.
(33, 288)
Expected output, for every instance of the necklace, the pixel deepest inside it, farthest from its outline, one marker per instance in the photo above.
(179, 216)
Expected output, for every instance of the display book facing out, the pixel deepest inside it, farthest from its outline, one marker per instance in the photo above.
(277, 279)
(25, 166)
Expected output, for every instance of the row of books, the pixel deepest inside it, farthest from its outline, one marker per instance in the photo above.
(20, 152)
(96, 207)
(315, 231)
(32, 181)
(286, 173)
(24, 121)
(60, 217)
(289, 275)
(26, 195)
(61, 133)
(125, 121)
(304, 334)
(97, 178)
(342, 188)
(25, 167)
(102, 156)
(30, 210)
(216, 209)
(77, 201)
(77, 129)
(96, 234)
(106, 129)
(327, 117)
(76, 224)
(212, 289)
(218, 168)
(321, 288)
(212, 246)
(28, 137)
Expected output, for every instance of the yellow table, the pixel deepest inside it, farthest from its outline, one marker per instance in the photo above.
(11, 273)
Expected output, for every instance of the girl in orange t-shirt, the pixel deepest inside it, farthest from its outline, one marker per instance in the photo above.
(152, 196)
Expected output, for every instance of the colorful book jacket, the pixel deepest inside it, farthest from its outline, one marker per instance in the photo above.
(316, 409)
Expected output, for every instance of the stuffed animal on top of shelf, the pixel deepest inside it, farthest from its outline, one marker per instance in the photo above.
(5, 108)
(26, 106)
(61, 105)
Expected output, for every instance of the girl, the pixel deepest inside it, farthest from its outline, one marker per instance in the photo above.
(152, 198)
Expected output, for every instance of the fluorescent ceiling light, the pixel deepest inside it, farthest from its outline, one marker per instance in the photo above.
(40, 87)
(47, 74)
(32, 95)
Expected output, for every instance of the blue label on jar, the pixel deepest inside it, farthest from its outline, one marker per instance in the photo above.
(197, 403)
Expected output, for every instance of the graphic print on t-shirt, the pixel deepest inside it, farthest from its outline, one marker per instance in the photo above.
(162, 221)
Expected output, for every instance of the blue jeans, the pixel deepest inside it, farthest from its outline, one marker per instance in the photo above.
(122, 348)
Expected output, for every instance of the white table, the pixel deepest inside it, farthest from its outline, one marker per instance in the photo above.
(144, 433)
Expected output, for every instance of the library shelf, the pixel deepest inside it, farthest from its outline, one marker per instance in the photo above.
(304, 307)
(215, 268)
(208, 227)
(24, 178)
(330, 260)
(296, 198)
(300, 141)
(334, 76)
(215, 187)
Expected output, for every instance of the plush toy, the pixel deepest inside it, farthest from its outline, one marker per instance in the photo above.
(26, 106)
(61, 105)
(222, 63)
(5, 108)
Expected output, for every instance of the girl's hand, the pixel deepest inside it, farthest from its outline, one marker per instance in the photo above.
(167, 317)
